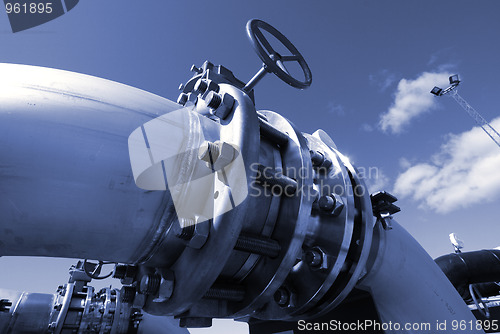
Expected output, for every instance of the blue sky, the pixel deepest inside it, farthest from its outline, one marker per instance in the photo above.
(373, 63)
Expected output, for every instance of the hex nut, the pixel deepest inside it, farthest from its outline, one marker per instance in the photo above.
(182, 99)
(316, 259)
(331, 204)
(166, 287)
(220, 104)
(339, 205)
(326, 203)
(282, 297)
(225, 108)
(221, 154)
(203, 86)
(227, 153)
(200, 235)
(285, 297)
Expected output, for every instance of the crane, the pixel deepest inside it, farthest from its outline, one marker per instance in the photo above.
(454, 82)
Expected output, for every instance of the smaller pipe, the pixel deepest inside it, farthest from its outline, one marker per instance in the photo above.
(463, 269)
(488, 289)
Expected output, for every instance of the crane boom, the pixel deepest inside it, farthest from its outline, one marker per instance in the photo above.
(454, 82)
(490, 131)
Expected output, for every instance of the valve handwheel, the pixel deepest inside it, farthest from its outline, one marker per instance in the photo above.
(94, 270)
(273, 61)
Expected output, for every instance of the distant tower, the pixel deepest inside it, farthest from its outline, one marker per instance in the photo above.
(454, 81)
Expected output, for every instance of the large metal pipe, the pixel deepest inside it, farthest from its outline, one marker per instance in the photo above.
(66, 185)
(399, 263)
(462, 269)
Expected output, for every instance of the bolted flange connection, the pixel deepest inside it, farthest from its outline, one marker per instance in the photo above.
(320, 161)
(221, 105)
(331, 204)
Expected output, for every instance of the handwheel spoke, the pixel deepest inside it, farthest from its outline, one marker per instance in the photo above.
(290, 58)
(97, 269)
(282, 66)
(264, 42)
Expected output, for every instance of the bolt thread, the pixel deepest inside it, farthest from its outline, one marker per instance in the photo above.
(213, 100)
(209, 152)
(258, 245)
(187, 228)
(120, 271)
(232, 293)
(128, 294)
(150, 284)
(195, 69)
(200, 86)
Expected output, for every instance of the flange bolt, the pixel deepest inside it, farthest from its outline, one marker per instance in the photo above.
(213, 100)
(150, 284)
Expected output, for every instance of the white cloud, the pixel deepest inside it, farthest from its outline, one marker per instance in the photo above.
(336, 109)
(464, 172)
(412, 99)
(404, 163)
(383, 79)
